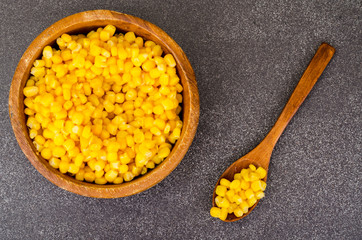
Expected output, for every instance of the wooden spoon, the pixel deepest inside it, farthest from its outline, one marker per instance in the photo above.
(260, 156)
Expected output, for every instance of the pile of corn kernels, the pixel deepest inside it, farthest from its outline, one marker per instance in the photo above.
(237, 196)
(104, 107)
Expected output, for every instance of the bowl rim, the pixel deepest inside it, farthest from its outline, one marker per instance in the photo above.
(124, 22)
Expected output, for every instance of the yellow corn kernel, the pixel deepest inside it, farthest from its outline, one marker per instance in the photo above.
(215, 212)
(235, 184)
(99, 165)
(259, 195)
(40, 140)
(54, 162)
(123, 168)
(237, 199)
(218, 200)
(73, 168)
(225, 182)
(87, 132)
(263, 185)
(249, 193)
(261, 172)
(130, 37)
(77, 118)
(253, 176)
(63, 167)
(104, 35)
(252, 201)
(100, 180)
(155, 73)
(118, 180)
(238, 212)
(157, 50)
(57, 59)
(58, 139)
(224, 203)
(244, 185)
(128, 176)
(252, 167)
(256, 185)
(223, 214)
(150, 165)
(58, 151)
(163, 152)
(221, 190)
(237, 176)
(38, 72)
(170, 60)
(158, 110)
(66, 37)
(67, 105)
(80, 175)
(111, 175)
(46, 153)
(168, 104)
(244, 206)
(99, 174)
(230, 194)
(33, 133)
(78, 160)
(48, 52)
(89, 176)
(148, 65)
(245, 174)
(242, 195)
(112, 156)
(131, 95)
(30, 91)
(108, 106)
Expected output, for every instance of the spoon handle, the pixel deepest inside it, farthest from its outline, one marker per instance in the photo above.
(315, 68)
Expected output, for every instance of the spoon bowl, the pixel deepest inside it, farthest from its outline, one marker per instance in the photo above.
(260, 156)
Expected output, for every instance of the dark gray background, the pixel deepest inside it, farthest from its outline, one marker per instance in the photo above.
(248, 56)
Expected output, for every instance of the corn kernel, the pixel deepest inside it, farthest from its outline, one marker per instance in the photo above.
(215, 212)
(130, 37)
(223, 214)
(249, 193)
(259, 195)
(221, 190)
(230, 194)
(80, 175)
(73, 168)
(48, 52)
(58, 151)
(46, 153)
(261, 171)
(238, 212)
(100, 180)
(89, 176)
(235, 184)
(54, 162)
(128, 176)
(30, 91)
(63, 167)
(163, 152)
(170, 60)
(225, 182)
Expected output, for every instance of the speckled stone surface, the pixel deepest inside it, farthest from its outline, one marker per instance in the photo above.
(248, 56)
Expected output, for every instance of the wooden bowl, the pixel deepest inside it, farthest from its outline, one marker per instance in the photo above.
(81, 23)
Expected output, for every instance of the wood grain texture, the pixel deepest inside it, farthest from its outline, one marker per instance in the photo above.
(260, 156)
(81, 23)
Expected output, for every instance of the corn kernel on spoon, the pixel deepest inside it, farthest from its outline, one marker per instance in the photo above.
(260, 156)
